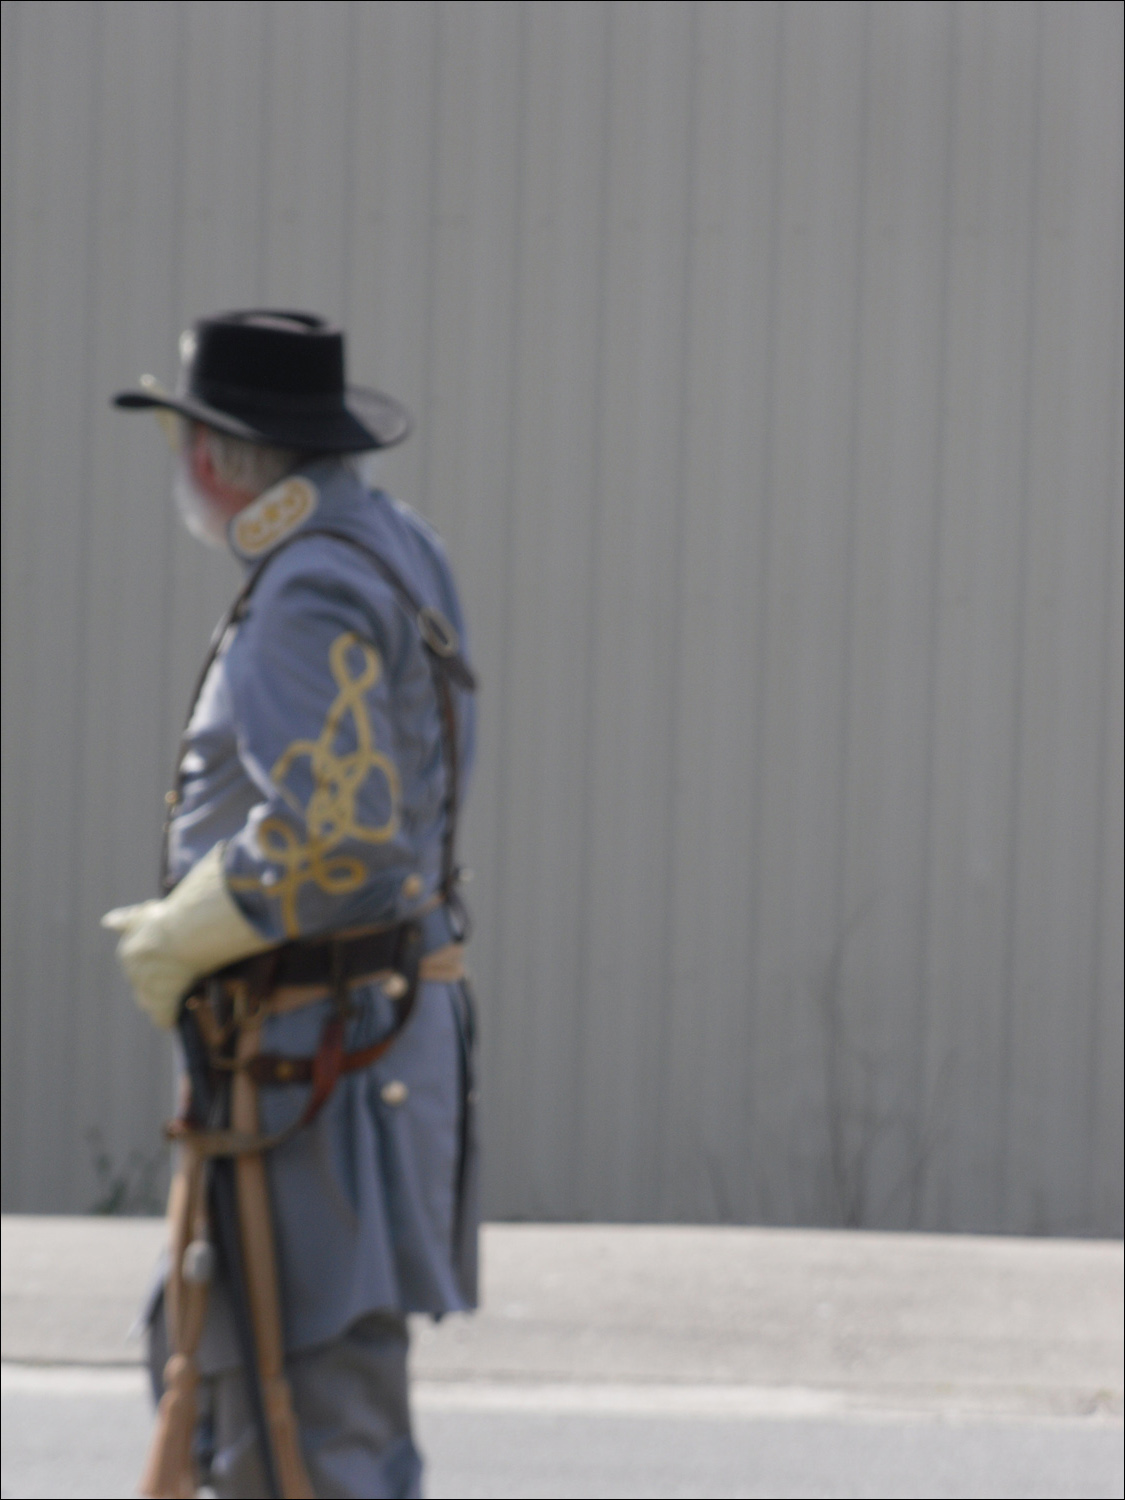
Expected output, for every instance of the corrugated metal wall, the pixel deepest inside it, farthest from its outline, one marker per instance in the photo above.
(768, 368)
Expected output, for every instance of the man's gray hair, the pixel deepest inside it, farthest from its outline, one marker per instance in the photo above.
(250, 466)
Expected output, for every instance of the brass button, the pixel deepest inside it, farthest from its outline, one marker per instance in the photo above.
(394, 986)
(171, 799)
(394, 1093)
(285, 1070)
(412, 887)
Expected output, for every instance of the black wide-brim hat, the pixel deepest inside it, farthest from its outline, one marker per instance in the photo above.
(275, 378)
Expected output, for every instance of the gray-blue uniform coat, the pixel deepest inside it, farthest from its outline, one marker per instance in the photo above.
(314, 754)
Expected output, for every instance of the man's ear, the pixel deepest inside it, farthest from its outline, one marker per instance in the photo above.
(200, 459)
(201, 462)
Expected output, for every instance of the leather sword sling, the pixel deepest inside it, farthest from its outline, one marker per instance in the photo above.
(170, 1470)
(256, 1227)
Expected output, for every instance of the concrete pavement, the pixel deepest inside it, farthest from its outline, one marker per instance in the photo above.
(634, 1360)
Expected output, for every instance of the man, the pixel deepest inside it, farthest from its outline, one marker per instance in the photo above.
(310, 865)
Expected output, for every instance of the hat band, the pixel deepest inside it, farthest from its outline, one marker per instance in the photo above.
(239, 399)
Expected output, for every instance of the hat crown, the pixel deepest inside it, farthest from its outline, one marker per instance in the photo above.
(263, 351)
(276, 377)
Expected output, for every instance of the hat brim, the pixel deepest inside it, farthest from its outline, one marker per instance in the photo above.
(366, 419)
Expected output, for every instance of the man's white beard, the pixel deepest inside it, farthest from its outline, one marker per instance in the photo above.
(198, 511)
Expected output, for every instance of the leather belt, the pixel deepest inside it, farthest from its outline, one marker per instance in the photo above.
(444, 965)
(391, 955)
(342, 960)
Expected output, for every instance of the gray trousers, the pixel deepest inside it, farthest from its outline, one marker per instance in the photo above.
(350, 1397)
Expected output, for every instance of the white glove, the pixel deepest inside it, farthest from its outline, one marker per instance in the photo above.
(167, 945)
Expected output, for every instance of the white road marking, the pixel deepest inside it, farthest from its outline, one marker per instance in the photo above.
(700, 1402)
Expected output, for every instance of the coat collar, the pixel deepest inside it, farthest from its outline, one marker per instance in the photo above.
(322, 491)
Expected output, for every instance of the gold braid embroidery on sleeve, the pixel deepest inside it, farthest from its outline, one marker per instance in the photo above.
(330, 817)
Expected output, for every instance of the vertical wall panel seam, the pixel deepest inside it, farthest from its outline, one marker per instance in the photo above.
(350, 174)
(177, 280)
(665, 1062)
(30, 934)
(1012, 882)
(922, 1121)
(75, 866)
(1099, 996)
(504, 712)
(7, 261)
(837, 1040)
(169, 708)
(429, 330)
(265, 74)
(841, 922)
(1103, 769)
(762, 564)
(15, 1029)
(583, 1000)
